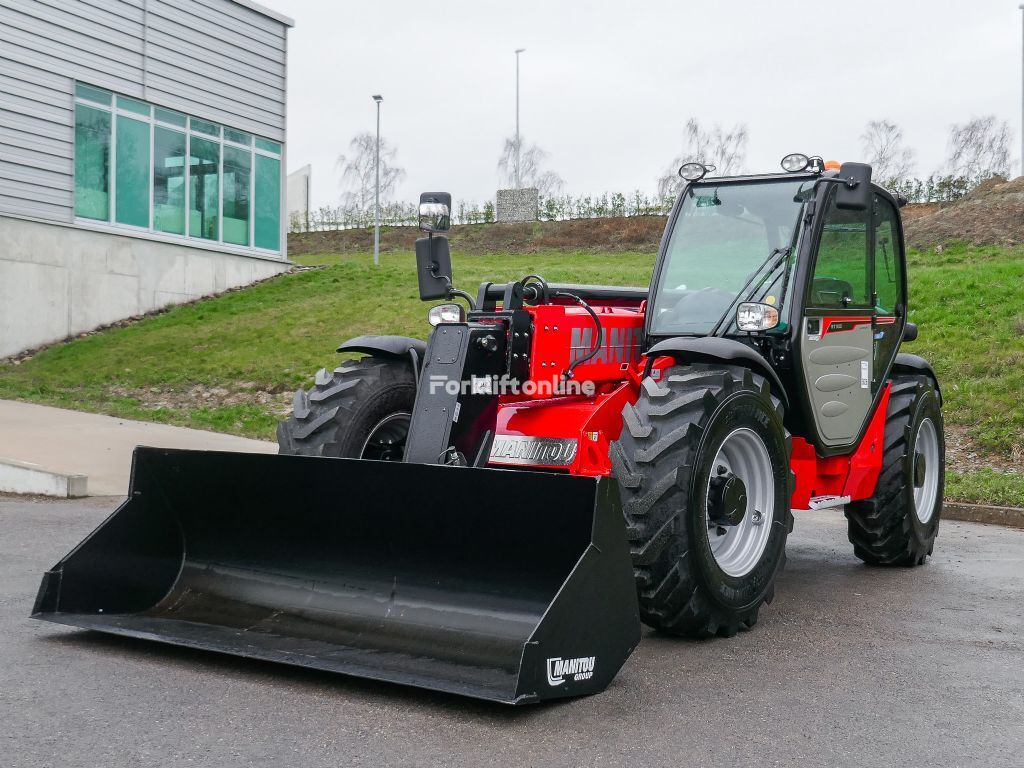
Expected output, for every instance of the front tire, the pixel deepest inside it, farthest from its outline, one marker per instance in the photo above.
(706, 550)
(899, 523)
(361, 410)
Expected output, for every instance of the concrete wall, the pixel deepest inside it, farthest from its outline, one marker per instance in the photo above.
(56, 281)
(298, 198)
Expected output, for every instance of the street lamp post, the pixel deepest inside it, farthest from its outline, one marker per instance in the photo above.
(518, 147)
(376, 205)
(1021, 6)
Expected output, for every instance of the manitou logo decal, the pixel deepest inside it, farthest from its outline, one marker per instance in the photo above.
(621, 345)
(533, 451)
(577, 669)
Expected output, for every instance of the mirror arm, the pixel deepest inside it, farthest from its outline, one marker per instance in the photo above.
(453, 292)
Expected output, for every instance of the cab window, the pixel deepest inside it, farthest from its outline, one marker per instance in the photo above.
(841, 274)
(888, 259)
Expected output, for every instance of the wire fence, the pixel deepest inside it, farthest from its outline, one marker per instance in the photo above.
(934, 189)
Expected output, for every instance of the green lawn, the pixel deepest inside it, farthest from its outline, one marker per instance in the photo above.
(187, 366)
(229, 363)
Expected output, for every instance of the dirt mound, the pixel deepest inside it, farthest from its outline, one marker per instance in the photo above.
(992, 214)
(634, 233)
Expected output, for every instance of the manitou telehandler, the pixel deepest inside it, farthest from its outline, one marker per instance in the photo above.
(494, 511)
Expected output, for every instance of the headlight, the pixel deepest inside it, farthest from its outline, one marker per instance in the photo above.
(446, 313)
(756, 317)
(795, 163)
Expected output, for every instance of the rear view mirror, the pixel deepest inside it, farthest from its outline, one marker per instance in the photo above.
(435, 211)
(854, 193)
(433, 268)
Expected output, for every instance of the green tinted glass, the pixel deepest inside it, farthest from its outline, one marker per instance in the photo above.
(236, 195)
(168, 181)
(98, 95)
(268, 203)
(169, 117)
(92, 163)
(131, 105)
(268, 146)
(888, 270)
(204, 127)
(239, 137)
(204, 192)
(841, 270)
(132, 172)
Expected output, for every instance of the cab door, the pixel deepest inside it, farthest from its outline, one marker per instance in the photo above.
(890, 288)
(837, 330)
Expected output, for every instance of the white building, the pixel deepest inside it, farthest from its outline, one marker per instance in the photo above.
(142, 155)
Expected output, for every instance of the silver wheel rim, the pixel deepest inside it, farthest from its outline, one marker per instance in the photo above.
(738, 549)
(388, 433)
(926, 445)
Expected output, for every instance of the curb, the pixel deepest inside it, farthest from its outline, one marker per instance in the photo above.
(24, 478)
(1012, 517)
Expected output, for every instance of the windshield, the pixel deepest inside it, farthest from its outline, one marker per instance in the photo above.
(726, 235)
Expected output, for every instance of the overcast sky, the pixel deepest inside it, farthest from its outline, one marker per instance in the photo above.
(606, 87)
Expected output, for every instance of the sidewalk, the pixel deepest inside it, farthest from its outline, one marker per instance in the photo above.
(40, 445)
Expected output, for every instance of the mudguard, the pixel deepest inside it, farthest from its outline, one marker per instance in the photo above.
(385, 346)
(908, 363)
(715, 349)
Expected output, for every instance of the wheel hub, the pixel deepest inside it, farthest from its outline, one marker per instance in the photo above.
(386, 441)
(740, 502)
(727, 498)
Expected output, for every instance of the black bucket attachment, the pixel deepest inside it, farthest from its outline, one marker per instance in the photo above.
(497, 584)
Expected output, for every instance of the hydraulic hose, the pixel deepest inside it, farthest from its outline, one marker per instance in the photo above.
(597, 324)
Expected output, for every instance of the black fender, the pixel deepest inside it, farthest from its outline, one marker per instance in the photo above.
(399, 347)
(715, 349)
(908, 363)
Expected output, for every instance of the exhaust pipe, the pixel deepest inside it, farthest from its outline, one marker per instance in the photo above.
(502, 585)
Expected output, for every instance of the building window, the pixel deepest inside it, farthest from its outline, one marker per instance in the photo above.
(132, 179)
(168, 180)
(204, 188)
(151, 168)
(237, 171)
(268, 203)
(92, 163)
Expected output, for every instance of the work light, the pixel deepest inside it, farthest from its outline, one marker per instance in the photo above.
(446, 313)
(795, 162)
(694, 171)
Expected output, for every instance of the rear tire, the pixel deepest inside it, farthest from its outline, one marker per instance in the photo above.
(691, 578)
(360, 410)
(899, 523)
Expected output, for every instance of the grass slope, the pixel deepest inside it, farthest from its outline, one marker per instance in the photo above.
(229, 363)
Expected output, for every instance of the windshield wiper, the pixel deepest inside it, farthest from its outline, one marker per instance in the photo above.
(749, 288)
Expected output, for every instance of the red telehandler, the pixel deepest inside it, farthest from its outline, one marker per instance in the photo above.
(493, 512)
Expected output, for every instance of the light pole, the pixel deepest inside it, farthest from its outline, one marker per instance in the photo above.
(518, 180)
(1021, 6)
(376, 205)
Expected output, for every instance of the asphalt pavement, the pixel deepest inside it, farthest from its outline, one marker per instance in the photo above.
(850, 665)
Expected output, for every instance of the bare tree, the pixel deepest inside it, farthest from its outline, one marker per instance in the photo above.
(531, 167)
(891, 162)
(724, 149)
(980, 148)
(358, 172)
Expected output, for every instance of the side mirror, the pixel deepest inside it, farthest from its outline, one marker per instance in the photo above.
(854, 193)
(435, 211)
(434, 268)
